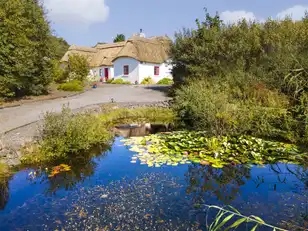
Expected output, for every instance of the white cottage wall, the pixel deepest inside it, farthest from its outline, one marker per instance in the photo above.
(147, 70)
(133, 74)
(99, 72)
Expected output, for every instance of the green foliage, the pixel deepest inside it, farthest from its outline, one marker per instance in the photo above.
(186, 147)
(119, 38)
(25, 49)
(165, 81)
(274, 52)
(74, 85)
(243, 78)
(120, 81)
(230, 219)
(236, 106)
(66, 135)
(147, 81)
(59, 46)
(112, 117)
(59, 74)
(78, 65)
(110, 80)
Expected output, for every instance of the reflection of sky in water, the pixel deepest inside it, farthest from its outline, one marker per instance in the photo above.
(258, 191)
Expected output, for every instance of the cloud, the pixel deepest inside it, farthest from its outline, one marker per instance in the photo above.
(235, 16)
(295, 12)
(80, 13)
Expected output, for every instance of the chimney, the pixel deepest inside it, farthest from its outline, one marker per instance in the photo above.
(141, 34)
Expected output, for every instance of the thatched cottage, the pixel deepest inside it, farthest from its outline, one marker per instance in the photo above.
(132, 60)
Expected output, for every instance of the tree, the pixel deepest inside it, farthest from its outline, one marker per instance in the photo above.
(78, 67)
(119, 38)
(60, 47)
(25, 49)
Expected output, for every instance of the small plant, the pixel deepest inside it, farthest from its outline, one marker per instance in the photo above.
(110, 80)
(165, 81)
(74, 85)
(120, 81)
(147, 81)
(226, 216)
(65, 135)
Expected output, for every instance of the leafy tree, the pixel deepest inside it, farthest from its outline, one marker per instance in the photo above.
(119, 38)
(60, 47)
(78, 67)
(25, 48)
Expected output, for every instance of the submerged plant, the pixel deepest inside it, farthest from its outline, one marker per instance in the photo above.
(186, 147)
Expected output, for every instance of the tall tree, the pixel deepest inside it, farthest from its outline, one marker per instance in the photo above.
(25, 48)
(60, 47)
(119, 38)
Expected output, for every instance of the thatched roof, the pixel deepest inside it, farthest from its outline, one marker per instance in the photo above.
(89, 52)
(106, 53)
(152, 50)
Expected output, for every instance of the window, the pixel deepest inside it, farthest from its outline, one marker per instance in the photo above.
(156, 70)
(125, 69)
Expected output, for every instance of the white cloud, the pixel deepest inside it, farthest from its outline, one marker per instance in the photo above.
(77, 12)
(295, 12)
(235, 16)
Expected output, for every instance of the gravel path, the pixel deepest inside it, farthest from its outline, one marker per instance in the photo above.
(12, 118)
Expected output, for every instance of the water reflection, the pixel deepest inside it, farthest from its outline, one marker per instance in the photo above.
(127, 131)
(4, 192)
(223, 183)
(82, 167)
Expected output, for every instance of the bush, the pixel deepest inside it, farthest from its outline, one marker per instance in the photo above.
(74, 85)
(110, 80)
(120, 81)
(165, 81)
(78, 64)
(66, 135)
(147, 81)
(223, 108)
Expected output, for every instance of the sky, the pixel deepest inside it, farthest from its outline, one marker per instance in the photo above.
(86, 22)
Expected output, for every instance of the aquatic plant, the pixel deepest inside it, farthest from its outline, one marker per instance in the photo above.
(186, 147)
(226, 215)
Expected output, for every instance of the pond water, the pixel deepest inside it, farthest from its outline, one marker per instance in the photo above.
(108, 192)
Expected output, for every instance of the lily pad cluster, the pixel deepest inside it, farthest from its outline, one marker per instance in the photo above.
(186, 147)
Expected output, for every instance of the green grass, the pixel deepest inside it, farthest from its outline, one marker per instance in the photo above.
(120, 81)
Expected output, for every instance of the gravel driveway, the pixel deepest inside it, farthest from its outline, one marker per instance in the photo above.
(12, 118)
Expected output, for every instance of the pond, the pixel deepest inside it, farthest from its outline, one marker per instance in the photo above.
(108, 192)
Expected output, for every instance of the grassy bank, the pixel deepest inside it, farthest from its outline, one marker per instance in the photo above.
(67, 135)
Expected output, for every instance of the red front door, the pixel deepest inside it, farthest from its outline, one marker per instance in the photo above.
(106, 74)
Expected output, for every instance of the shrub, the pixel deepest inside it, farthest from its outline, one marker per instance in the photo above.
(112, 117)
(223, 108)
(165, 81)
(110, 80)
(60, 75)
(120, 81)
(78, 65)
(74, 85)
(147, 81)
(66, 135)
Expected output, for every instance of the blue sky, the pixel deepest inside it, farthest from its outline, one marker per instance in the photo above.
(86, 22)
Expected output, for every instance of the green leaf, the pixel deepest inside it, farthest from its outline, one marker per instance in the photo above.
(234, 209)
(223, 222)
(258, 219)
(255, 227)
(236, 223)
